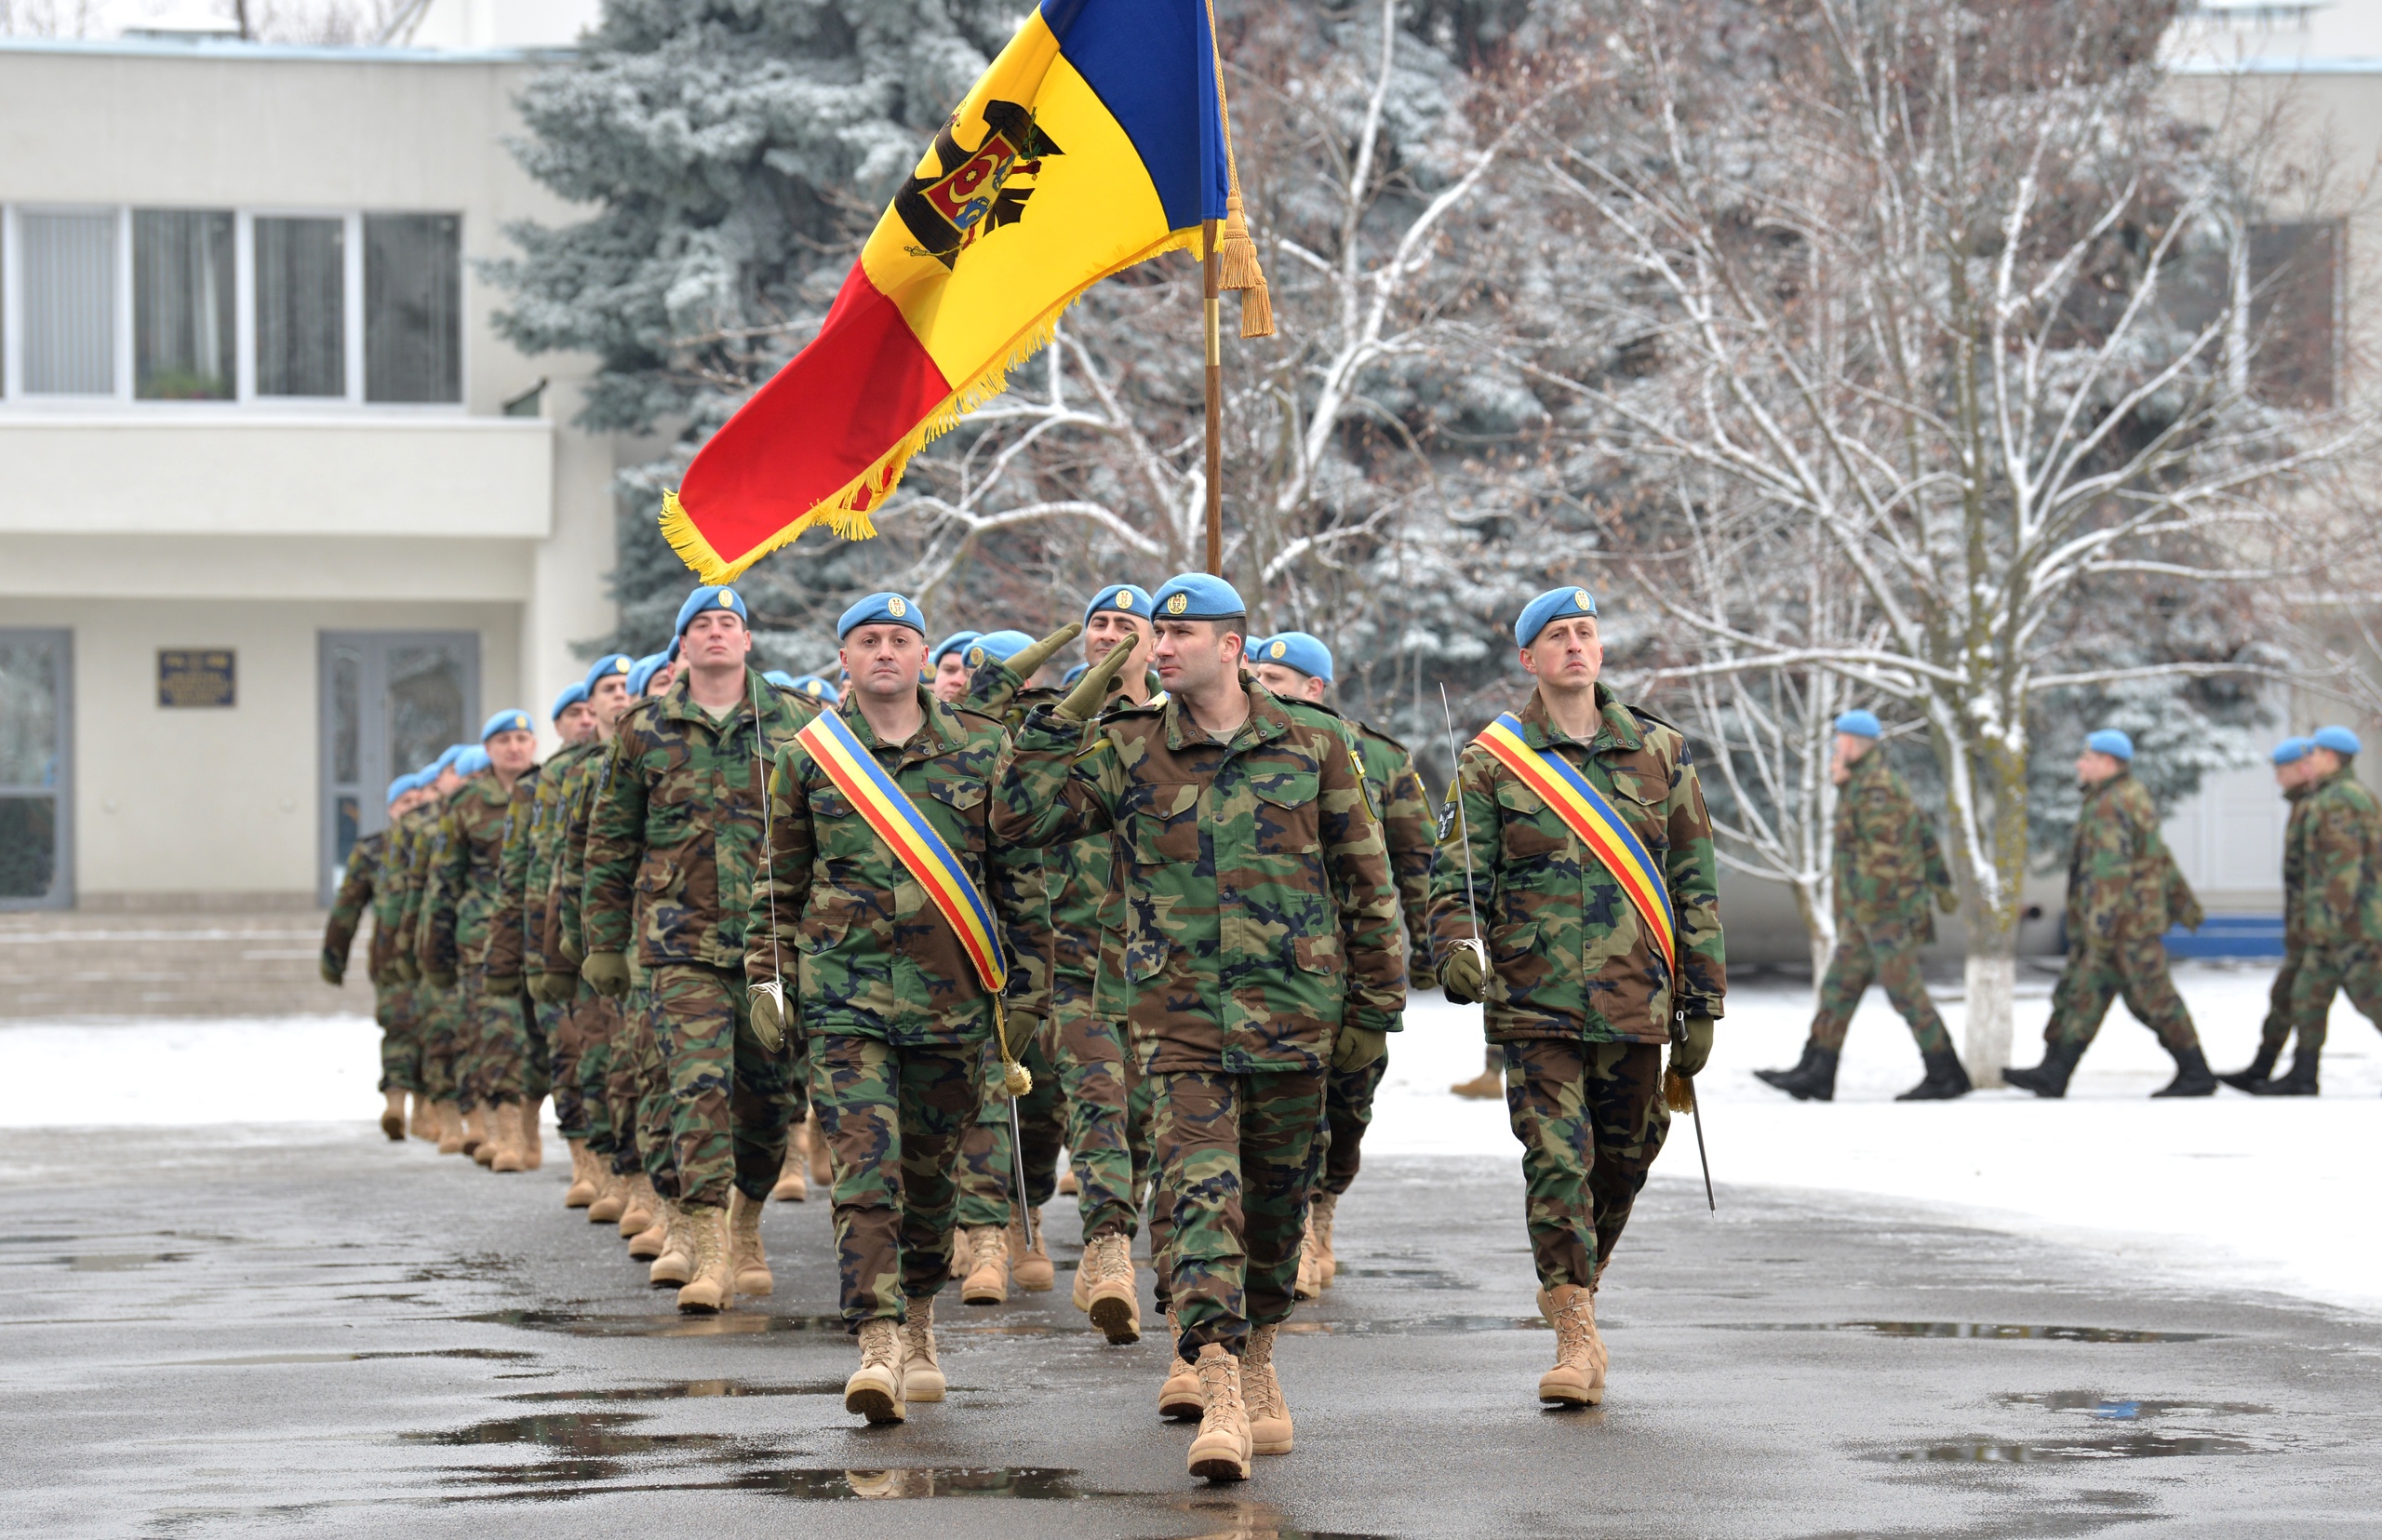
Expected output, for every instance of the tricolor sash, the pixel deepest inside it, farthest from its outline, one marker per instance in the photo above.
(1588, 813)
(899, 823)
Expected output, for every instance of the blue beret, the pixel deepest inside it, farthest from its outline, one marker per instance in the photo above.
(604, 667)
(820, 689)
(882, 609)
(1299, 651)
(1860, 724)
(1074, 674)
(2110, 741)
(957, 642)
(2337, 739)
(401, 786)
(1553, 605)
(778, 678)
(670, 653)
(1196, 596)
(641, 673)
(1003, 645)
(1130, 597)
(443, 763)
(2292, 750)
(1250, 647)
(471, 762)
(571, 695)
(508, 720)
(711, 596)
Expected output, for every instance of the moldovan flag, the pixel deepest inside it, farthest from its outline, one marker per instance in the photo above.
(1096, 141)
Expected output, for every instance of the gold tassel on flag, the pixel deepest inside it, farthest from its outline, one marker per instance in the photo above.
(1237, 265)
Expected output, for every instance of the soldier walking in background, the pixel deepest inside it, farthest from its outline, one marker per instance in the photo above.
(2292, 774)
(1887, 867)
(359, 883)
(2124, 890)
(2340, 913)
(1260, 945)
(461, 1124)
(1297, 667)
(1582, 825)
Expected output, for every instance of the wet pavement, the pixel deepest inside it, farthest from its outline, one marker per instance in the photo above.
(311, 1332)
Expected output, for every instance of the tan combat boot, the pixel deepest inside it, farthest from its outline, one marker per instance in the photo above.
(959, 1269)
(393, 1116)
(476, 1130)
(1320, 1212)
(1068, 1186)
(1220, 1452)
(424, 1122)
(1577, 1378)
(792, 1185)
(611, 1194)
(450, 1127)
(1180, 1399)
(1260, 1392)
(636, 1218)
(533, 1138)
(1112, 1300)
(714, 1286)
(1310, 1281)
(675, 1262)
(748, 1263)
(504, 1148)
(987, 1281)
(921, 1373)
(875, 1390)
(1030, 1266)
(583, 1186)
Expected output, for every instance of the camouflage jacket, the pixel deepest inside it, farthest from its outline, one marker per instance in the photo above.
(540, 952)
(2339, 844)
(673, 836)
(462, 897)
(397, 870)
(1568, 953)
(871, 954)
(2122, 883)
(506, 953)
(414, 900)
(2294, 867)
(1887, 866)
(1404, 809)
(566, 903)
(356, 885)
(1258, 912)
(1026, 883)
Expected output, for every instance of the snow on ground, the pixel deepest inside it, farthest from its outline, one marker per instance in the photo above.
(2233, 1190)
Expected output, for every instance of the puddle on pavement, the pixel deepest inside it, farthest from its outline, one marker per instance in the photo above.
(496, 1354)
(1412, 1277)
(1418, 1326)
(731, 1323)
(1224, 1519)
(2131, 1446)
(681, 1390)
(2128, 1409)
(1977, 1329)
(99, 1262)
(1031, 1481)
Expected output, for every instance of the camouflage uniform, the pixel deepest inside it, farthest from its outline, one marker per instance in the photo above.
(1578, 996)
(518, 932)
(1258, 915)
(438, 1008)
(675, 834)
(611, 1074)
(2124, 890)
(2340, 917)
(2275, 1031)
(359, 889)
(464, 891)
(1888, 874)
(892, 1008)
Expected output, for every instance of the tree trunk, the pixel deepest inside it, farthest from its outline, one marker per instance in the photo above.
(1992, 974)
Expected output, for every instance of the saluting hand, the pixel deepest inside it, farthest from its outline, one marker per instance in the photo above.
(1029, 659)
(1082, 703)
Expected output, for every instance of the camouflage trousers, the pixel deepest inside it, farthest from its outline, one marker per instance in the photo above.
(731, 1101)
(1347, 1112)
(1141, 1125)
(557, 1025)
(1236, 1157)
(986, 1168)
(2096, 975)
(594, 1025)
(2275, 1030)
(497, 1064)
(1096, 1081)
(1591, 1120)
(392, 1007)
(638, 1092)
(2351, 967)
(439, 1012)
(893, 1119)
(1887, 956)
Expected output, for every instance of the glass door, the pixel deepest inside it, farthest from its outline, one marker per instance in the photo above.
(391, 701)
(36, 814)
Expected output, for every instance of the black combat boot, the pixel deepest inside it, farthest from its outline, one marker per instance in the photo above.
(1945, 1080)
(2301, 1081)
(2192, 1078)
(2261, 1071)
(2050, 1078)
(1812, 1079)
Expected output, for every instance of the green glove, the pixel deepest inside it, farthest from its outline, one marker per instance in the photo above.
(769, 1019)
(1461, 975)
(1083, 702)
(607, 973)
(1028, 659)
(570, 954)
(403, 967)
(1423, 977)
(501, 985)
(554, 988)
(1689, 1058)
(1948, 900)
(439, 978)
(1355, 1047)
(333, 974)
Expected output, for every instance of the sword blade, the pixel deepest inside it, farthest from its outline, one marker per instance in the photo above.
(1463, 830)
(1695, 1110)
(1017, 1174)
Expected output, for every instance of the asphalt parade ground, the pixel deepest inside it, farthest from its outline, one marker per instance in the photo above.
(308, 1331)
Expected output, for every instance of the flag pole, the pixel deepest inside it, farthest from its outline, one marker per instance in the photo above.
(1213, 294)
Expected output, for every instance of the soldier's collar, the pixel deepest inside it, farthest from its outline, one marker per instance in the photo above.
(1618, 728)
(939, 732)
(1267, 721)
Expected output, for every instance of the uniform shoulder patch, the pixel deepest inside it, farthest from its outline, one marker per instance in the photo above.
(1448, 806)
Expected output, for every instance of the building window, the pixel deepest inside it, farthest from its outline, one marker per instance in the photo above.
(413, 307)
(68, 264)
(302, 307)
(184, 305)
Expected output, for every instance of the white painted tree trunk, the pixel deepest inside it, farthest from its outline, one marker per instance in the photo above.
(1992, 1000)
(1823, 948)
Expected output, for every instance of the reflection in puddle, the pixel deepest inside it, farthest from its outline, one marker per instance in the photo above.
(1031, 1481)
(1415, 1326)
(496, 1354)
(679, 1390)
(1231, 1521)
(2135, 1446)
(1977, 1329)
(727, 1323)
(2127, 1408)
(98, 1262)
